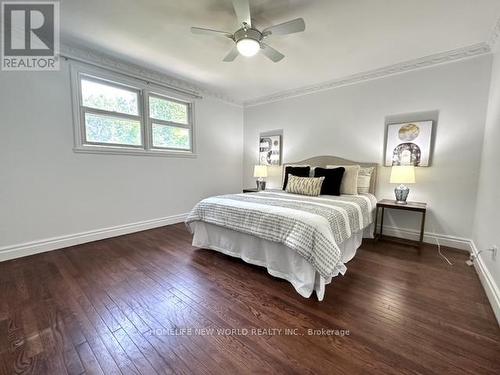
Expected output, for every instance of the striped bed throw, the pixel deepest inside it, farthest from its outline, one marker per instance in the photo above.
(312, 226)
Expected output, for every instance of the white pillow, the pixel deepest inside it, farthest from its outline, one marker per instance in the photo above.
(364, 179)
(349, 183)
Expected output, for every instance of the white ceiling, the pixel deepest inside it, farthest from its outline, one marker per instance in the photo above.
(342, 37)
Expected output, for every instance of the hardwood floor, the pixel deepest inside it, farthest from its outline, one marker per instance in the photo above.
(121, 305)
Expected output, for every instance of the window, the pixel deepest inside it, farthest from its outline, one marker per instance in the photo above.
(110, 114)
(114, 114)
(170, 123)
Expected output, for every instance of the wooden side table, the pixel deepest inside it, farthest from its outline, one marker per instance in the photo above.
(250, 190)
(410, 206)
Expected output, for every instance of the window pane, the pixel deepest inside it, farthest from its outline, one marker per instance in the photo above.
(167, 110)
(104, 129)
(109, 98)
(171, 137)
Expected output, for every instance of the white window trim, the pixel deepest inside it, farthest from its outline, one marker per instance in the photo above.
(144, 89)
(151, 120)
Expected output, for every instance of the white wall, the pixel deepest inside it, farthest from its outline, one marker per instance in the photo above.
(487, 222)
(350, 122)
(47, 190)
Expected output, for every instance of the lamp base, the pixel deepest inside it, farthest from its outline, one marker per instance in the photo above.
(401, 193)
(261, 185)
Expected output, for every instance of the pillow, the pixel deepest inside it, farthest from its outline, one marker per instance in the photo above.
(364, 180)
(304, 185)
(333, 179)
(302, 171)
(349, 183)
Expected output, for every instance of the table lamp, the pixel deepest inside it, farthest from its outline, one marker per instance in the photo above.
(404, 174)
(260, 172)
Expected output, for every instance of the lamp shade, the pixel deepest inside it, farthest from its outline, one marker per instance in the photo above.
(248, 47)
(404, 174)
(260, 171)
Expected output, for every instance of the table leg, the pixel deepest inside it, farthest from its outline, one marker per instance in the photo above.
(422, 230)
(376, 222)
(382, 223)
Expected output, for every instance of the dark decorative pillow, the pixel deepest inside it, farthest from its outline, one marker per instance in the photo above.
(333, 179)
(296, 171)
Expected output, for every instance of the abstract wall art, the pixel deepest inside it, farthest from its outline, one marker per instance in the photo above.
(270, 150)
(409, 144)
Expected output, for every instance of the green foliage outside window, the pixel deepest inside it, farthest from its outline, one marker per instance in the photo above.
(170, 137)
(118, 130)
(166, 110)
(101, 129)
(109, 98)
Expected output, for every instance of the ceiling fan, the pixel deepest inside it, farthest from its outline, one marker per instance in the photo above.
(248, 40)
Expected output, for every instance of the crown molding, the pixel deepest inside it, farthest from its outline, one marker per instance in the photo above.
(103, 60)
(495, 36)
(406, 66)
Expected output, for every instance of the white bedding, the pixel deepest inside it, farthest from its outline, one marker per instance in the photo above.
(264, 229)
(279, 260)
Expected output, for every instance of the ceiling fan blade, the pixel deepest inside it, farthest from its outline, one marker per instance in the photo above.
(294, 26)
(231, 55)
(242, 9)
(271, 53)
(201, 30)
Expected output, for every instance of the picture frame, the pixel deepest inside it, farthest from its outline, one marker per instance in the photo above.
(270, 149)
(409, 143)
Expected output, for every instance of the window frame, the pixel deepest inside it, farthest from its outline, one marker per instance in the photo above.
(152, 121)
(102, 112)
(144, 90)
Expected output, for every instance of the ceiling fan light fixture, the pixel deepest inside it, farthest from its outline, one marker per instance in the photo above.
(248, 47)
(249, 40)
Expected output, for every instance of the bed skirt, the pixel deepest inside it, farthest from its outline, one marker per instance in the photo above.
(279, 260)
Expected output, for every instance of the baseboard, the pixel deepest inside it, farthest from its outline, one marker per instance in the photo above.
(489, 285)
(444, 239)
(40, 246)
(35, 247)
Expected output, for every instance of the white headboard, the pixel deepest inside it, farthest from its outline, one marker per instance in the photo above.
(323, 161)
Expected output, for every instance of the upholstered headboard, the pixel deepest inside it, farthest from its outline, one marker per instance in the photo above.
(323, 161)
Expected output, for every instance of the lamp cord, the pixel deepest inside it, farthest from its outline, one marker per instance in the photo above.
(439, 249)
(441, 254)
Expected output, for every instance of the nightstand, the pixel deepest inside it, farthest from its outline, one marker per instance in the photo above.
(410, 206)
(250, 190)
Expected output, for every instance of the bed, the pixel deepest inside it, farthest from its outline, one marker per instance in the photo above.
(304, 240)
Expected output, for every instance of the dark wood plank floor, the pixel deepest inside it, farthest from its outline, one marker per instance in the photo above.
(137, 304)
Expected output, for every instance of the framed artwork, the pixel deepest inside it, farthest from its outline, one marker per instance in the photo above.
(270, 150)
(408, 143)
